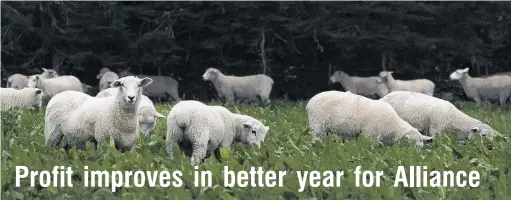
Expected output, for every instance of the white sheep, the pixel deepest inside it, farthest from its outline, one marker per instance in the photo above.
(147, 113)
(365, 86)
(22, 98)
(18, 81)
(106, 79)
(207, 128)
(349, 116)
(81, 118)
(53, 86)
(418, 85)
(230, 88)
(489, 88)
(162, 86)
(432, 116)
(104, 69)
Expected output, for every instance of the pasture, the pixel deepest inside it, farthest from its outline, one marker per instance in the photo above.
(288, 147)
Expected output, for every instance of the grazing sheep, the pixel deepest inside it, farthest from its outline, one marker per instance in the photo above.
(147, 113)
(431, 115)
(162, 86)
(365, 86)
(489, 88)
(230, 88)
(207, 128)
(106, 79)
(22, 98)
(81, 118)
(418, 85)
(348, 116)
(18, 81)
(53, 86)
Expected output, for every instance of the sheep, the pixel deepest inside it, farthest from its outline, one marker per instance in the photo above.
(365, 86)
(162, 86)
(80, 118)
(254, 87)
(53, 86)
(22, 98)
(18, 81)
(106, 79)
(207, 128)
(103, 70)
(418, 85)
(349, 116)
(147, 113)
(489, 88)
(432, 116)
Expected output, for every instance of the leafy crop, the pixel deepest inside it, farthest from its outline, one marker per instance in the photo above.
(288, 147)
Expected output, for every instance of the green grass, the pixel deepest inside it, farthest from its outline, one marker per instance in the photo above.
(288, 147)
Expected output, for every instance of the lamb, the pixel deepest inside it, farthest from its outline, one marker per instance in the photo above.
(22, 98)
(254, 87)
(81, 118)
(207, 128)
(418, 85)
(106, 79)
(53, 86)
(365, 86)
(18, 81)
(147, 113)
(489, 88)
(349, 116)
(162, 86)
(432, 116)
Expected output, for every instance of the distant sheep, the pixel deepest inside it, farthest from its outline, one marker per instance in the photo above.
(147, 113)
(81, 118)
(53, 86)
(162, 86)
(431, 115)
(106, 79)
(22, 98)
(207, 128)
(365, 86)
(424, 86)
(230, 88)
(496, 87)
(349, 116)
(18, 81)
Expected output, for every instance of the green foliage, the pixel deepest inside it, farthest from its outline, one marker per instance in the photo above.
(288, 147)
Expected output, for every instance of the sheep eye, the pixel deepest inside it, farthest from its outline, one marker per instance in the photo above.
(254, 132)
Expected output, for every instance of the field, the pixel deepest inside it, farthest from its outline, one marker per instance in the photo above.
(288, 147)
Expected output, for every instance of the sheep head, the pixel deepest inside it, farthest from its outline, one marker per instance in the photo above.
(458, 74)
(130, 87)
(337, 76)
(210, 74)
(254, 132)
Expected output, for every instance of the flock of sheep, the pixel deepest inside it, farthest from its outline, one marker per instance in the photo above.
(405, 109)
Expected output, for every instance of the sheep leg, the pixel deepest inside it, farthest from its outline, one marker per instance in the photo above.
(174, 94)
(503, 97)
(477, 99)
(199, 147)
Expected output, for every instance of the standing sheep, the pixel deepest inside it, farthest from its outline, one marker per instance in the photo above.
(18, 81)
(431, 115)
(162, 86)
(22, 98)
(147, 113)
(230, 88)
(207, 128)
(489, 88)
(418, 85)
(81, 118)
(348, 116)
(106, 79)
(53, 86)
(365, 86)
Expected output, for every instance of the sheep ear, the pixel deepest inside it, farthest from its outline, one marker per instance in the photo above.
(38, 92)
(379, 80)
(159, 115)
(390, 72)
(44, 69)
(116, 83)
(145, 82)
(99, 76)
(426, 138)
(247, 124)
(465, 70)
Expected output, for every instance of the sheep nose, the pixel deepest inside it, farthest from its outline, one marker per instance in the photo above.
(131, 98)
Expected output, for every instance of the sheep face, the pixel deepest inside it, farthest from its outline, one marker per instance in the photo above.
(49, 73)
(130, 87)
(210, 74)
(383, 76)
(32, 81)
(458, 74)
(37, 96)
(417, 137)
(254, 132)
(147, 119)
(337, 76)
(483, 130)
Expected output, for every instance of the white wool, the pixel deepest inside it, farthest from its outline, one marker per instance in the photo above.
(106, 79)
(22, 98)
(365, 86)
(230, 88)
(53, 86)
(431, 115)
(348, 116)
(424, 86)
(207, 128)
(495, 87)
